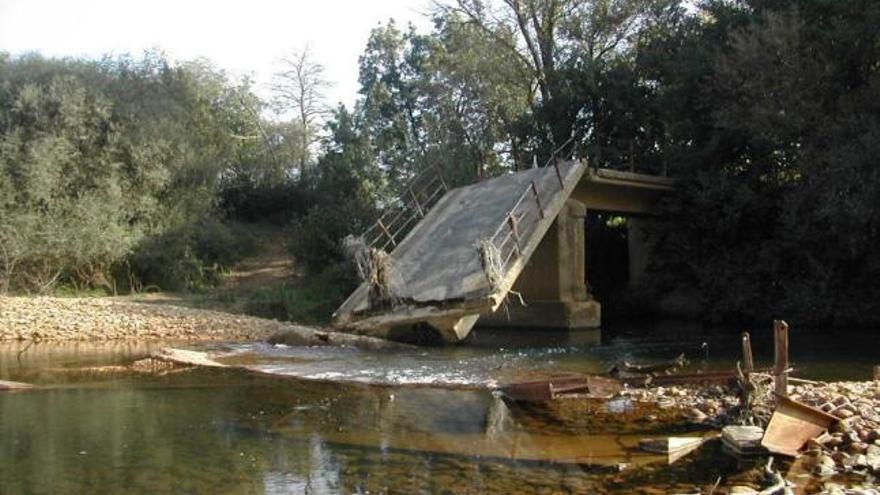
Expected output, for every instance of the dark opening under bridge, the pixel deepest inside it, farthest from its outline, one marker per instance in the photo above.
(474, 247)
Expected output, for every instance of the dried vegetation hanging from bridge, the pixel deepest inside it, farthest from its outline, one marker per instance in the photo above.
(375, 267)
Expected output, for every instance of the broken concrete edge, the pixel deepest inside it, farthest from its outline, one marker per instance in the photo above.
(569, 183)
(297, 335)
(632, 179)
(187, 357)
(454, 319)
(11, 386)
(202, 359)
(347, 310)
(411, 314)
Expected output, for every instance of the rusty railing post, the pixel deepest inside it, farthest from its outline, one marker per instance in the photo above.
(440, 176)
(511, 221)
(382, 226)
(748, 361)
(416, 202)
(538, 199)
(780, 370)
(558, 174)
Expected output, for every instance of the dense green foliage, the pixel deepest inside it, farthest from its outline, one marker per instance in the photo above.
(767, 110)
(102, 163)
(781, 213)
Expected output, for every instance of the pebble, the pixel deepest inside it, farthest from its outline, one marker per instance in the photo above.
(101, 319)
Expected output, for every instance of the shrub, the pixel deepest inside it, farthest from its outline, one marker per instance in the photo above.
(309, 301)
(190, 257)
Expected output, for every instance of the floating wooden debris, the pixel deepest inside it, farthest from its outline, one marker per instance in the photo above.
(792, 425)
(673, 447)
(7, 385)
(743, 442)
(552, 388)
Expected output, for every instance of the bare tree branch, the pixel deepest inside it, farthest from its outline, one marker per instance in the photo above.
(299, 88)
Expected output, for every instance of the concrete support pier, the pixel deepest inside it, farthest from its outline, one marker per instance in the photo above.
(553, 283)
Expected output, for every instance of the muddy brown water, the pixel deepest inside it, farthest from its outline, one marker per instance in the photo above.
(341, 420)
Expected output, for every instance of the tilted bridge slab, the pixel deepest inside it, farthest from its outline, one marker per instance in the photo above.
(521, 232)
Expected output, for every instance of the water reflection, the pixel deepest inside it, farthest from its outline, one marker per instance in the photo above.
(207, 431)
(185, 434)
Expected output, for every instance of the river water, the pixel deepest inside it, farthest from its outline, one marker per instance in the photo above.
(342, 420)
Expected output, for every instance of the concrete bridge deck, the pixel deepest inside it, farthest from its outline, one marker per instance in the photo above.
(463, 258)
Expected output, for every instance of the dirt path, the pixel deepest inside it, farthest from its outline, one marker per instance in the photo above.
(272, 266)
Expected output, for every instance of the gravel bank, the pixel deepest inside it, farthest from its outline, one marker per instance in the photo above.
(101, 319)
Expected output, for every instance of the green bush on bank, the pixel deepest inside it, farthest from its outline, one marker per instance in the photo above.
(192, 257)
(110, 171)
(310, 300)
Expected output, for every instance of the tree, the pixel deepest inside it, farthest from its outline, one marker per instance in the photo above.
(299, 88)
(779, 210)
(97, 158)
(566, 47)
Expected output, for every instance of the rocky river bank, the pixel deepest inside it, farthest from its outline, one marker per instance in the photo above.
(846, 460)
(104, 319)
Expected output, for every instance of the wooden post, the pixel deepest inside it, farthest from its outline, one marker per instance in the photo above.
(748, 361)
(877, 373)
(780, 330)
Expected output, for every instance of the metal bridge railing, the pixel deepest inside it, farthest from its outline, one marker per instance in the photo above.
(417, 197)
(506, 237)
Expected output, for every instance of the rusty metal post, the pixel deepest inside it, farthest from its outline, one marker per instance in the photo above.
(511, 221)
(416, 202)
(440, 176)
(382, 226)
(748, 361)
(538, 199)
(781, 368)
(559, 174)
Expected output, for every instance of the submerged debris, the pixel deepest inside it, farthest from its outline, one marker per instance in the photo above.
(673, 447)
(792, 425)
(7, 385)
(743, 442)
(624, 368)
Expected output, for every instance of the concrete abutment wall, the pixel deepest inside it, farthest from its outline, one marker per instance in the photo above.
(553, 283)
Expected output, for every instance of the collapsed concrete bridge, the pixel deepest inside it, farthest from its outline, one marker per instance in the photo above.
(476, 247)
